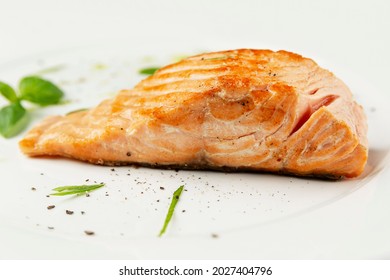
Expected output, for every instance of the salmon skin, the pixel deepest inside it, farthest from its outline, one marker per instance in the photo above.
(256, 110)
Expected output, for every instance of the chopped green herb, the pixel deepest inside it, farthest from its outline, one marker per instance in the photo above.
(148, 71)
(77, 190)
(39, 91)
(175, 199)
(8, 92)
(12, 119)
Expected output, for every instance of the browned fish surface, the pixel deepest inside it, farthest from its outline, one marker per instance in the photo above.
(243, 109)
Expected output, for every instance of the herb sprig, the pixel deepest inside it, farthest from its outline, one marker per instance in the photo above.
(148, 71)
(77, 190)
(175, 199)
(14, 117)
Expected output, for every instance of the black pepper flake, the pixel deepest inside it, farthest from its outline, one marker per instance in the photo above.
(86, 180)
(50, 227)
(213, 235)
(51, 207)
(82, 212)
(33, 189)
(183, 211)
(158, 200)
(112, 169)
(87, 195)
(89, 232)
(69, 212)
(162, 188)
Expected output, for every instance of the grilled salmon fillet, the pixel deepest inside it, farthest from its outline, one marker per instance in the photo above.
(244, 109)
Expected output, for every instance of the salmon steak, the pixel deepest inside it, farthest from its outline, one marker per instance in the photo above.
(248, 110)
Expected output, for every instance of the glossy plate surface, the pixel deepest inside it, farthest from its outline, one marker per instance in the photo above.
(220, 215)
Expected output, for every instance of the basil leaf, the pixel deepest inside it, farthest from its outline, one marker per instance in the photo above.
(8, 92)
(13, 119)
(148, 71)
(39, 91)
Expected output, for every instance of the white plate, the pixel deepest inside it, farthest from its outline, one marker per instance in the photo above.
(220, 215)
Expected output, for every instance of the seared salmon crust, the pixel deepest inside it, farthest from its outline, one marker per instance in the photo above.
(241, 109)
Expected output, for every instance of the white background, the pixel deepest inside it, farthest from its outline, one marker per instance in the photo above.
(354, 32)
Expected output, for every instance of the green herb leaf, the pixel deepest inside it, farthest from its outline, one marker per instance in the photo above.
(8, 92)
(175, 199)
(13, 118)
(39, 91)
(148, 71)
(78, 190)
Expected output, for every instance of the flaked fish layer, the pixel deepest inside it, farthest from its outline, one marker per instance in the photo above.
(244, 109)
